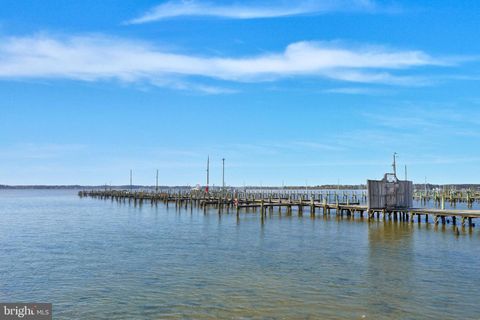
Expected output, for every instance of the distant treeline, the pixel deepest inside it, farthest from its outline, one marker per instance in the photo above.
(317, 187)
(343, 187)
(447, 186)
(62, 187)
(419, 186)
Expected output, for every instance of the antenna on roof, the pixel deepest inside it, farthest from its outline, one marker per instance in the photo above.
(394, 165)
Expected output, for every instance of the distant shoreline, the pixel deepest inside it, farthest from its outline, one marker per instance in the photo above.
(175, 187)
(139, 187)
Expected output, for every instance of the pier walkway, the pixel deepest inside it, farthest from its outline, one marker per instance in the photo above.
(268, 202)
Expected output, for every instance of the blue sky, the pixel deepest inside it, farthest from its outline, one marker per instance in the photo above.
(295, 92)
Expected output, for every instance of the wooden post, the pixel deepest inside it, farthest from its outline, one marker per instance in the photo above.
(300, 207)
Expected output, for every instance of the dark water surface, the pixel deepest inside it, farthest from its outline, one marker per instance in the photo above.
(96, 259)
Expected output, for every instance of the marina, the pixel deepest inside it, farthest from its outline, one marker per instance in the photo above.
(243, 202)
(389, 199)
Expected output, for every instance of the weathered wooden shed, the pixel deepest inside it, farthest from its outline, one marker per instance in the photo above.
(390, 193)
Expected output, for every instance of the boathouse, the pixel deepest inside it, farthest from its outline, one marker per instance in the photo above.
(390, 193)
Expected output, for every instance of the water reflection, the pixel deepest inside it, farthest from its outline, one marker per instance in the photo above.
(390, 267)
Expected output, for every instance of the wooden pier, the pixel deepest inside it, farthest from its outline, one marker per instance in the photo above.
(452, 197)
(329, 203)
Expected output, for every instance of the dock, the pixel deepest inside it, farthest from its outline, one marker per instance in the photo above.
(240, 202)
(452, 197)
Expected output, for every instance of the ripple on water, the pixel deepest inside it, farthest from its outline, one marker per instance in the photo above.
(98, 259)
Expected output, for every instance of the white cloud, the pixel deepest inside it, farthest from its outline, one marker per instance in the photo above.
(271, 9)
(94, 58)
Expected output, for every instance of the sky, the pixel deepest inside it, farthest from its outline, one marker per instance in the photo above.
(305, 92)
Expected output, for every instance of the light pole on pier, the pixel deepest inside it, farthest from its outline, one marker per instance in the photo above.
(156, 182)
(131, 184)
(425, 187)
(223, 174)
(208, 173)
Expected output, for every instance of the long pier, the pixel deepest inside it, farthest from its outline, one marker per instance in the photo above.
(320, 203)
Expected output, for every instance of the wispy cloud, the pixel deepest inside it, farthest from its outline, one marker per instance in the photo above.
(317, 146)
(95, 58)
(179, 84)
(432, 118)
(357, 91)
(269, 9)
(37, 151)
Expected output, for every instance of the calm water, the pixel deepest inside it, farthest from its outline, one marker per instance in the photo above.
(96, 259)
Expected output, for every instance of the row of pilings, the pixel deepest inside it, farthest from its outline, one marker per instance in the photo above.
(283, 203)
(452, 197)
